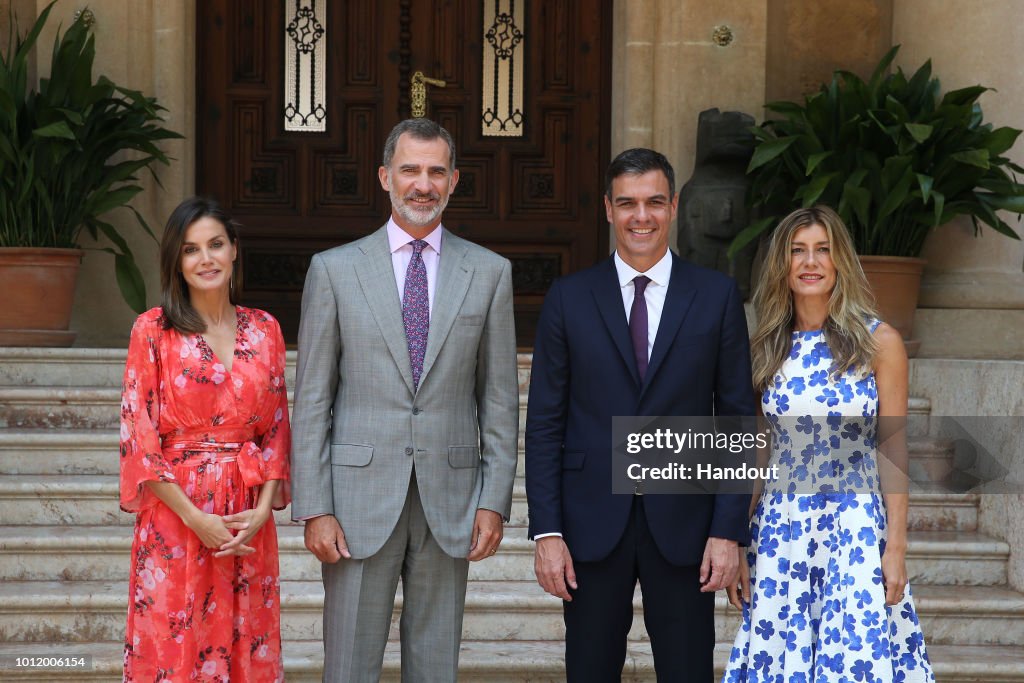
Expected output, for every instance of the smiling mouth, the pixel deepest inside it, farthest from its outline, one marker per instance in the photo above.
(641, 231)
(422, 199)
(812, 278)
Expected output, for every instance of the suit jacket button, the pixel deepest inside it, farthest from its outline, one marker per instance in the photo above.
(408, 450)
(415, 411)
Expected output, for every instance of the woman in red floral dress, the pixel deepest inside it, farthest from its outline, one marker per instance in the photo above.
(204, 459)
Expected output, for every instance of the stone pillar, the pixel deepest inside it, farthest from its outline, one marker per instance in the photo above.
(667, 68)
(147, 45)
(972, 298)
(809, 39)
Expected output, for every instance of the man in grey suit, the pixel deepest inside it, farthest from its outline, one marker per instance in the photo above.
(405, 421)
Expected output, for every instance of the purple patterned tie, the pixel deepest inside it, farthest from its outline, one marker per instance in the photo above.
(416, 310)
(638, 324)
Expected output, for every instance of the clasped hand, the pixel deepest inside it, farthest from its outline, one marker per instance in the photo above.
(229, 534)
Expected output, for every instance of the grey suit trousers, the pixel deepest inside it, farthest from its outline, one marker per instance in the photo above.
(360, 597)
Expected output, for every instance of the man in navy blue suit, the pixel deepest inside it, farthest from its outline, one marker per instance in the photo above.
(641, 333)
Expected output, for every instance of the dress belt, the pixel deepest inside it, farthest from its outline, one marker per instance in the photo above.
(247, 455)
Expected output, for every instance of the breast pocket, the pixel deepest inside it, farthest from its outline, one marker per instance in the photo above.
(698, 340)
(473, 320)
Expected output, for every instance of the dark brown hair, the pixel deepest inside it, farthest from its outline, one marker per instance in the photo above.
(174, 295)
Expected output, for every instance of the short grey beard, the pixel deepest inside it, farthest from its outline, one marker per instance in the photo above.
(411, 215)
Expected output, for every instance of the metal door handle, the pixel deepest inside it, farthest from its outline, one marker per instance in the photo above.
(418, 93)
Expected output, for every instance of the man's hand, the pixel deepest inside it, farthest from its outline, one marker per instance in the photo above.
(487, 533)
(325, 539)
(720, 566)
(552, 564)
(739, 590)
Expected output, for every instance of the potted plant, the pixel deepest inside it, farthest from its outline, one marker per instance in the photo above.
(895, 160)
(70, 151)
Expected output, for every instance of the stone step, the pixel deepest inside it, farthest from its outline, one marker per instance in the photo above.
(82, 611)
(105, 367)
(92, 499)
(83, 407)
(97, 553)
(61, 367)
(495, 662)
(35, 469)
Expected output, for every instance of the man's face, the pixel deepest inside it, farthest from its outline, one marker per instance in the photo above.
(419, 183)
(641, 210)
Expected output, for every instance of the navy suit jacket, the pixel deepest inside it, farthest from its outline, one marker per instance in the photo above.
(584, 373)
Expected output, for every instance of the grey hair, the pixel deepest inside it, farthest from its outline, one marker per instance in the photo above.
(421, 129)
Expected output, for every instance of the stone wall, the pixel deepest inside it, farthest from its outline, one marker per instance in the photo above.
(971, 284)
(667, 68)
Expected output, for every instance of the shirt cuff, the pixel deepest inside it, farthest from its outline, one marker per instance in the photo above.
(550, 533)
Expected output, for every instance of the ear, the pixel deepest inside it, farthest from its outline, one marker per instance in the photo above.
(453, 181)
(382, 175)
(675, 205)
(608, 209)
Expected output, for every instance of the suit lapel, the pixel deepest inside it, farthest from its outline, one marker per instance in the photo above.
(453, 278)
(377, 278)
(608, 297)
(678, 300)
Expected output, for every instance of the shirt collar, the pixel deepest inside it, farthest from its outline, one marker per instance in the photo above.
(398, 238)
(659, 272)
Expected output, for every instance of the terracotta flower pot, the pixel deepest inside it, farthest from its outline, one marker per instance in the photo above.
(38, 288)
(896, 283)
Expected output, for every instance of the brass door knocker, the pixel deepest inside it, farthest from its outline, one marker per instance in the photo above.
(418, 93)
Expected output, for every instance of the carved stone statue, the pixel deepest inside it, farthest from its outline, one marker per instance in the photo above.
(712, 208)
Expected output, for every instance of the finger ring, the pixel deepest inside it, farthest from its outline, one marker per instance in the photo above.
(493, 550)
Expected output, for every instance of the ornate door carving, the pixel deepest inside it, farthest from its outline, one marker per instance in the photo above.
(534, 197)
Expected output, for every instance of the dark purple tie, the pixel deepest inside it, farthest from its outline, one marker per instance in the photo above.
(638, 324)
(416, 310)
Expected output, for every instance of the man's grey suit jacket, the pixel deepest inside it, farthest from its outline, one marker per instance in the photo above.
(358, 427)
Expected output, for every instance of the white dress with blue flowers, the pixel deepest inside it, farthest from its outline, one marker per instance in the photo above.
(817, 612)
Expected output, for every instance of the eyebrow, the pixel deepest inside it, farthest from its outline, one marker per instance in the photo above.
(626, 198)
(218, 237)
(413, 167)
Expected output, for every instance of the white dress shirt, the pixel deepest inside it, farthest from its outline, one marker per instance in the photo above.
(401, 254)
(654, 295)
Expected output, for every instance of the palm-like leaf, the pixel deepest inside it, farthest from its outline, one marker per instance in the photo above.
(892, 156)
(70, 151)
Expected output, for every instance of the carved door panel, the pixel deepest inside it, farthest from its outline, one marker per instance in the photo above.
(534, 197)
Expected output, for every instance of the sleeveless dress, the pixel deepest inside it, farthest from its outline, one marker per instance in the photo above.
(817, 612)
(219, 434)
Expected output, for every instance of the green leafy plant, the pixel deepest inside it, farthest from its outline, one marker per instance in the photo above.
(891, 156)
(70, 151)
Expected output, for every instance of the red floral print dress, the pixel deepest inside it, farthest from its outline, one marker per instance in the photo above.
(219, 434)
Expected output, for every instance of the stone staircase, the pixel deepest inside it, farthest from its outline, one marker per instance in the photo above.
(64, 555)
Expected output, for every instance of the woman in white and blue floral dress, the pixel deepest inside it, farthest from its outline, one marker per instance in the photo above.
(823, 586)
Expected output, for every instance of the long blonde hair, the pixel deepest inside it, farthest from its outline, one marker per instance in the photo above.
(851, 307)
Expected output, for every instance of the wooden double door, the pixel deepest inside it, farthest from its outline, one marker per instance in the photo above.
(534, 197)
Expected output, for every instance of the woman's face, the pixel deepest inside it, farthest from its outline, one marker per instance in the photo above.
(811, 271)
(207, 256)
